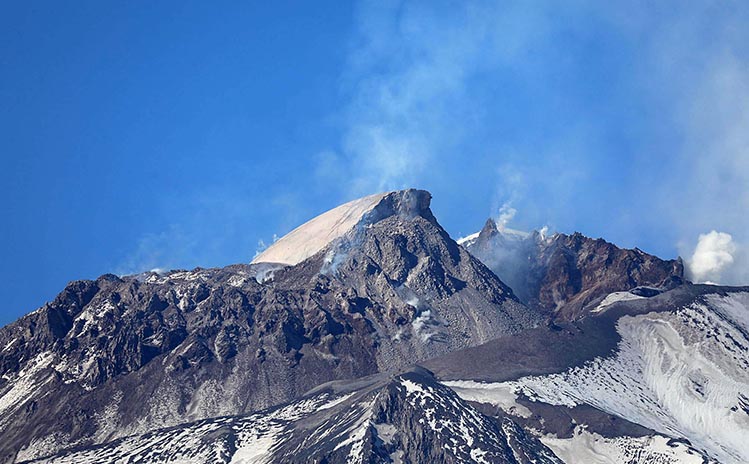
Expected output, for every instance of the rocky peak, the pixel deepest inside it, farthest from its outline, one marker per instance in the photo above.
(406, 204)
(489, 230)
(565, 274)
(371, 286)
(425, 291)
(316, 234)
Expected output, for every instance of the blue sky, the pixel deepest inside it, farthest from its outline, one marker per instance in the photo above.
(179, 134)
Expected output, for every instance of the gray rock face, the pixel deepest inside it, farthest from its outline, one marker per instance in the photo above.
(565, 275)
(124, 355)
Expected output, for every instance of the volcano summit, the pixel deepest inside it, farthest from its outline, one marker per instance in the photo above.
(369, 335)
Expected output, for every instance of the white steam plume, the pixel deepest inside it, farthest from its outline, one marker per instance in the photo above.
(713, 255)
(506, 214)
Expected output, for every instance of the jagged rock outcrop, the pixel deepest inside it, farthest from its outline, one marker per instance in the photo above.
(123, 355)
(566, 275)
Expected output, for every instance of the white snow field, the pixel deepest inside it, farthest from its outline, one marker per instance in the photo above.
(591, 448)
(612, 298)
(249, 439)
(316, 234)
(684, 374)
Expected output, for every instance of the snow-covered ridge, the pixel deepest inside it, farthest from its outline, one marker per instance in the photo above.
(247, 439)
(410, 418)
(684, 374)
(506, 232)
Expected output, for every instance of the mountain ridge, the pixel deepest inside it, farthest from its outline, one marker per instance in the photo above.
(188, 345)
(244, 363)
(566, 275)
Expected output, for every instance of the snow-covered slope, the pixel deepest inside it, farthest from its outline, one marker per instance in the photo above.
(314, 235)
(592, 448)
(408, 418)
(683, 373)
(222, 440)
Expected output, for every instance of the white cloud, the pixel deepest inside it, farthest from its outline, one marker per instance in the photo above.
(713, 255)
(408, 83)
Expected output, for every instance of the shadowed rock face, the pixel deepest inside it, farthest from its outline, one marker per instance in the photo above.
(124, 355)
(566, 275)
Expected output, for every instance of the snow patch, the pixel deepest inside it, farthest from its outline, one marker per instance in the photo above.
(335, 402)
(497, 394)
(468, 239)
(237, 280)
(10, 344)
(592, 448)
(23, 386)
(612, 298)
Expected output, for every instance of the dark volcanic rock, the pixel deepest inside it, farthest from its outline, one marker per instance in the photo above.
(555, 347)
(412, 418)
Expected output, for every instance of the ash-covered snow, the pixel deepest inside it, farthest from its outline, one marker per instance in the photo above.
(316, 234)
(501, 395)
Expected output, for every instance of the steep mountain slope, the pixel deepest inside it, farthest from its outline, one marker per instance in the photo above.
(675, 363)
(124, 355)
(566, 275)
(406, 418)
